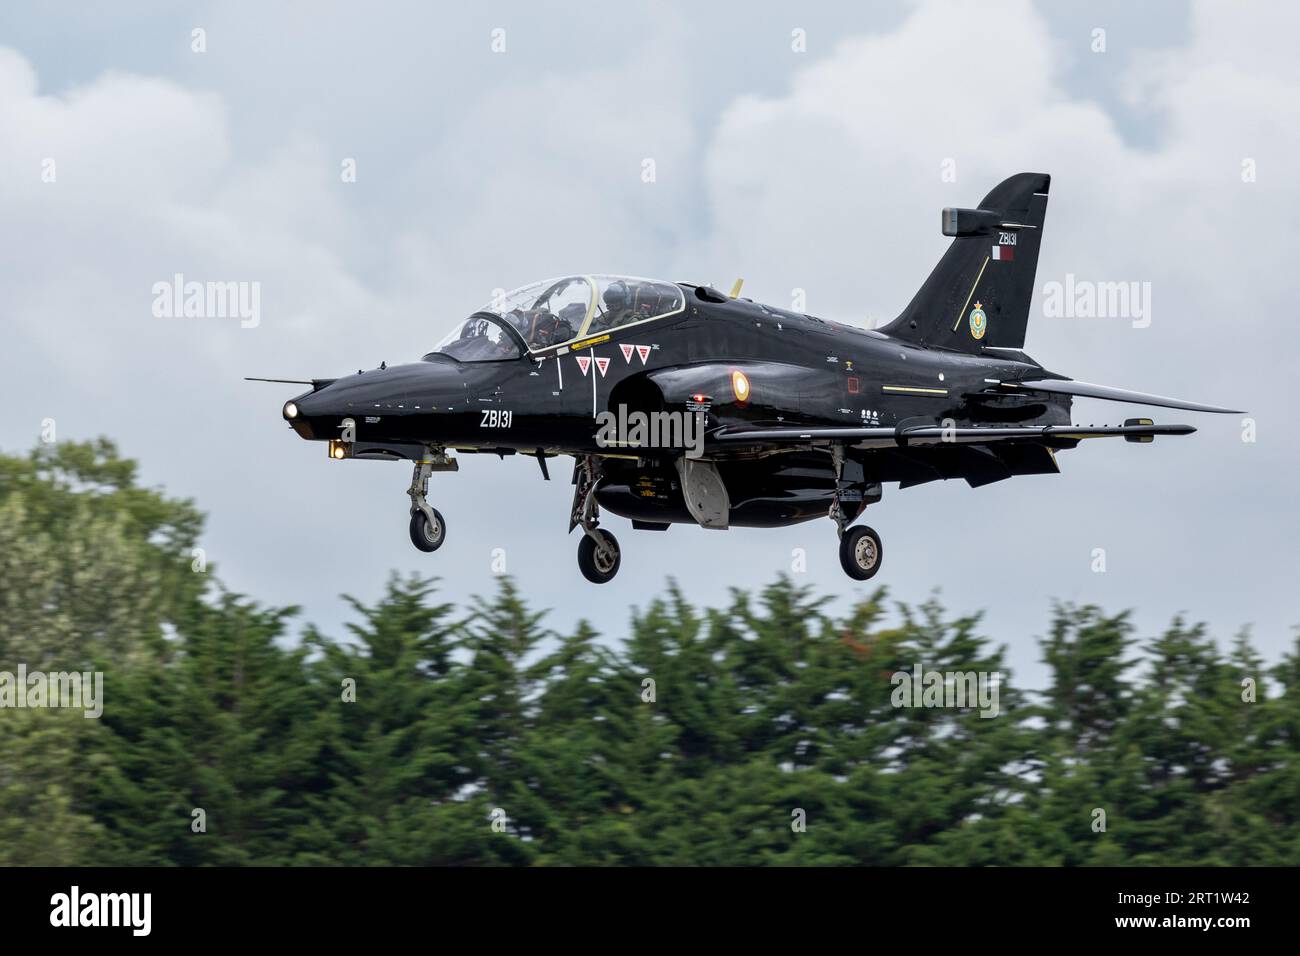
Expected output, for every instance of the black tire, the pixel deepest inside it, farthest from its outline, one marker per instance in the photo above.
(597, 567)
(424, 537)
(861, 553)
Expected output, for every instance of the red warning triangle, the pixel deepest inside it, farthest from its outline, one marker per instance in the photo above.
(584, 362)
(602, 363)
(627, 353)
(644, 352)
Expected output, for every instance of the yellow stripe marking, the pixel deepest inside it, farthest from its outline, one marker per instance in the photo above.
(972, 293)
(910, 390)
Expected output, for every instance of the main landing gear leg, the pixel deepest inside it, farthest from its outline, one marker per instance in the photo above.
(598, 553)
(860, 548)
(428, 530)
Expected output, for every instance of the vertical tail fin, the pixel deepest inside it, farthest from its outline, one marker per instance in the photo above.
(978, 295)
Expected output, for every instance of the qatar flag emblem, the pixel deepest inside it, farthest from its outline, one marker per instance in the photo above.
(1004, 253)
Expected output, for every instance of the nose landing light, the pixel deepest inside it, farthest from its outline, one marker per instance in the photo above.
(340, 449)
(290, 411)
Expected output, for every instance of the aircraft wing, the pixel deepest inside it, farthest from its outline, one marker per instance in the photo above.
(1136, 430)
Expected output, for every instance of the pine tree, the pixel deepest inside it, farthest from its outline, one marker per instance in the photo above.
(209, 760)
(396, 740)
(43, 820)
(763, 732)
(1087, 783)
(583, 753)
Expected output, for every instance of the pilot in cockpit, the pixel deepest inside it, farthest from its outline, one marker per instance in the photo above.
(617, 300)
(541, 327)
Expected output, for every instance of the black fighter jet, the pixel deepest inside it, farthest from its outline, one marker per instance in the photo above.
(681, 404)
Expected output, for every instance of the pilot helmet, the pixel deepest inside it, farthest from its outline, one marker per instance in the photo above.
(617, 296)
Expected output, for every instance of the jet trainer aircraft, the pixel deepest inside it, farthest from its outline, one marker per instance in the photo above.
(681, 404)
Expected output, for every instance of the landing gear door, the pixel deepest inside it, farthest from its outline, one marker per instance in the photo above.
(705, 493)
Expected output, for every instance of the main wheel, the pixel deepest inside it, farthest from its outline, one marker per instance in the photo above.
(860, 552)
(599, 564)
(427, 536)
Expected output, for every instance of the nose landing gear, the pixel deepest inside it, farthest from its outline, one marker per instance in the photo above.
(428, 529)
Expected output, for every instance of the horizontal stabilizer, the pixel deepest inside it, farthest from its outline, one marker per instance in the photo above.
(1086, 390)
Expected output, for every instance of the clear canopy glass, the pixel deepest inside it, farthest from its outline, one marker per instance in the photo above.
(479, 338)
(555, 311)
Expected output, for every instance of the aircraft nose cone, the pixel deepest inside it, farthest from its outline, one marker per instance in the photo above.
(321, 411)
(387, 393)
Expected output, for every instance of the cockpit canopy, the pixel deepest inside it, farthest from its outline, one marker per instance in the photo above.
(555, 311)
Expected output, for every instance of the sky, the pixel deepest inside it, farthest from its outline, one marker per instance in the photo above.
(803, 147)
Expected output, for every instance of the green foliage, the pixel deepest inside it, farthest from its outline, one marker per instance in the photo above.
(768, 731)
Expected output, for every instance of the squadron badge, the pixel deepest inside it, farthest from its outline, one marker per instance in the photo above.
(979, 322)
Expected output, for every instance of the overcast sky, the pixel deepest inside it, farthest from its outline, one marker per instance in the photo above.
(819, 169)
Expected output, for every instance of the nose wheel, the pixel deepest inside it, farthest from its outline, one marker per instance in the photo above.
(427, 530)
